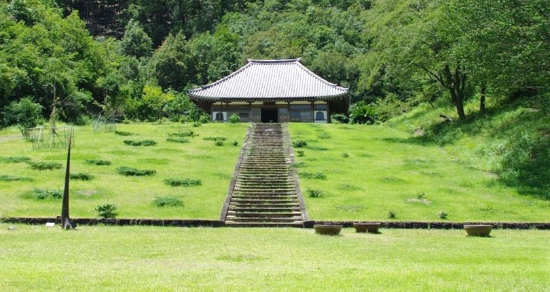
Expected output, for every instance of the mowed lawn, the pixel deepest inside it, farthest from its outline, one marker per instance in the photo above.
(197, 159)
(364, 172)
(140, 258)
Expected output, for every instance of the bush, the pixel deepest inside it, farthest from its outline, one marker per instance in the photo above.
(299, 144)
(300, 153)
(204, 119)
(219, 143)
(140, 143)
(197, 124)
(317, 175)
(9, 178)
(182, 134)
(361, 113)
(215, 138)
(234, 118)
(25, 113)
(106, 211)
(314, 193)
(168, 201)
(345, 155)
(442, 215)
(182, 182)
(392, 214)
(339, 119)
(45, 165)
(178, 140)
(122, 133)
(235, 143)
(42, 194)
(14, 159)
(129, 171)
(98, 162)
(81, 176)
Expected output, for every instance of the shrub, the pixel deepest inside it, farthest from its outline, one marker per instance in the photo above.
(14, 159)
(122, 133)
(178, 140)
(234, 118)
(339, 119)
(140, 143)
(130, 171)
(81, 176)
(317, 175)
(300, 153)
(197, 124)
(182, 134)
(442, 215)
(392, 214)
(106, 211)
(361, 113)
(9, 178)
(299, 144)
(168, 201)
(215, 138)
(25, 113)
(314, 193)
(174, 182)
(204, 119)
(42, 194)
(98, 162)
(345, 155)
(235, 143)
(45, 165)
(219, 143)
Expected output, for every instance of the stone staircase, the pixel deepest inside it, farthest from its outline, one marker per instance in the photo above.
(264, 191)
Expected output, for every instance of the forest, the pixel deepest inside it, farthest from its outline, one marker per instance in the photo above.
(71, 60)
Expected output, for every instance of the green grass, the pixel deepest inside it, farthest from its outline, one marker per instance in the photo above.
(198, 159)
(101, 258)
(386, 169)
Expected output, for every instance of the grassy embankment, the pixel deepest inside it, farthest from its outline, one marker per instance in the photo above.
(102, 258)
(198, 159)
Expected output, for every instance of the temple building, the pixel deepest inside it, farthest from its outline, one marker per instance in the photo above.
(271, 91)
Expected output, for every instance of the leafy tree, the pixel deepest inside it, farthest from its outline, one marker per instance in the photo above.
(25, 113)
(136, 42)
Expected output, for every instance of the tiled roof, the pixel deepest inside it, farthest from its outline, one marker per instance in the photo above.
(270, 80)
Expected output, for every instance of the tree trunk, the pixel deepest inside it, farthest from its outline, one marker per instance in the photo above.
(482, 91)
(456, 83)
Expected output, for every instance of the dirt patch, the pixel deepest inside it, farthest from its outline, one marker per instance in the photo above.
(9, 138)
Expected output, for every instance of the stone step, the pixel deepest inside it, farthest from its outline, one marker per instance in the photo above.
(266, 209)
(297, 224)
(244, 205)
(278, 215)
(261, 219)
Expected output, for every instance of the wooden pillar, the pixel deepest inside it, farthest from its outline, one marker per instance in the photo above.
(250, 110)
(313, 112)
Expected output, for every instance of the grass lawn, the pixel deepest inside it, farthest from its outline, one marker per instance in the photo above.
(102, 258)
(198, 159)
(364, 172)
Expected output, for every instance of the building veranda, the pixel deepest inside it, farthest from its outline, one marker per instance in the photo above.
(272, 91)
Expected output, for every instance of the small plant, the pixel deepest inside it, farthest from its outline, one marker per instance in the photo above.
(168, 201)
(98, 162)
(234, 118)
(130, 171)
(421, 196)
(178, 140)
(45, 165)
(392, 214)
(299, 144)
(345, 155)
(140, 143)
(317, 175)
(324, 135)
(182, 134)
(106, 211)
(14, 178)
(122, 133)
(42, 194)
(300, 153)
(219, 143)
(442, 215)
(204, 119)
(235, 143)
(174, 182)
(81, 176)
(197, 124)
(298, 164)
(14, 159)
(214, 138)
(317, 148)
(314, 193)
